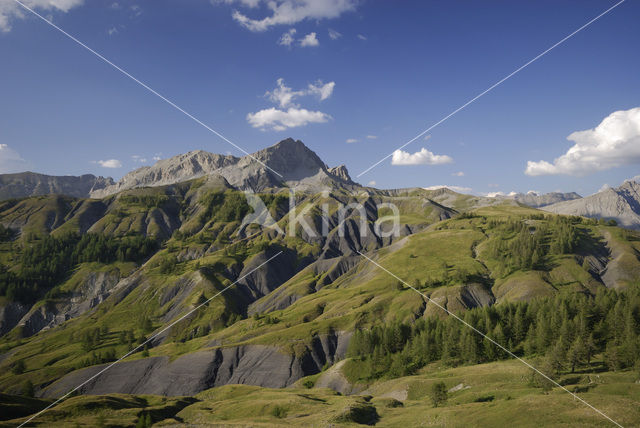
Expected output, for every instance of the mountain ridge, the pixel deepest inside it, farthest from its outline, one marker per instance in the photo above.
(24, 184)
(621, 204)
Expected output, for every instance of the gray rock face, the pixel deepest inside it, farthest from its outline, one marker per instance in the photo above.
(621, 204)
(263, 281)
(179, 168)
(92, 291)
(10, 315)
(25, 184)
(535, 200)
(297, 165)
(191, 373)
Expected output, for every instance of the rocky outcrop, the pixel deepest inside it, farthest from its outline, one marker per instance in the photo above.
(458, 298)
(91, 291)
(10, 315)
(26, 184)
(341, 173)
(189, 374)
(621, 204)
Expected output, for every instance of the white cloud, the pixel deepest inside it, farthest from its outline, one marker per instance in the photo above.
(371, 183)
(287, 38)
(111, 31)
(138, 158)
(10, 10)
(614, 142)
(309, 40)
(136, 10)
(499, 194)
(323, 90)
(289, 12)
(11, 161)
(458, 174)
(294, 116)
(372, 137)
(351, 140)
(115, 5)
(284, 95)
(279, 120)
(109, 163)
(333, 34)
(156, 158)
(458, 189)
(423, 157)
(361, 37)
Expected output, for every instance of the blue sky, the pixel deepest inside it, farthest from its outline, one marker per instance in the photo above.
(390, 70)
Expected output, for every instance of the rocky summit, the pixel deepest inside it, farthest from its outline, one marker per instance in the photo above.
(288, 163)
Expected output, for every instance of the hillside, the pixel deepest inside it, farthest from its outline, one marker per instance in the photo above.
(298, 314)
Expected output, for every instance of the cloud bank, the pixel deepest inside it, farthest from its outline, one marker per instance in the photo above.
(279, 120)
(614, 142)
(109, 163)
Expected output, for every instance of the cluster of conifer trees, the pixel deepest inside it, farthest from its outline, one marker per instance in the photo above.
(45, 262)
(568, 331)
(527, 245)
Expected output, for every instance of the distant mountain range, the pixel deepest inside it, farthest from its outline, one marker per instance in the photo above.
(621, 204)
(26, 184)
(535, 200)
(290, 163)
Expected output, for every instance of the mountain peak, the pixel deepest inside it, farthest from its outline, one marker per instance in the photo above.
(289, 154)
(289, 162)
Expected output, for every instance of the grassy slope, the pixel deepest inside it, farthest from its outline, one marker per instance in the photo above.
(362, 297)
(497, 392)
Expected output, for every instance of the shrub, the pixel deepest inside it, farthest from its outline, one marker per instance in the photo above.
(278, 412)
(439, 394)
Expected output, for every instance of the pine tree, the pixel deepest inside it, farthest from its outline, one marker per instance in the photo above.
(439, 394)
(576, 354)
(556, 358)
